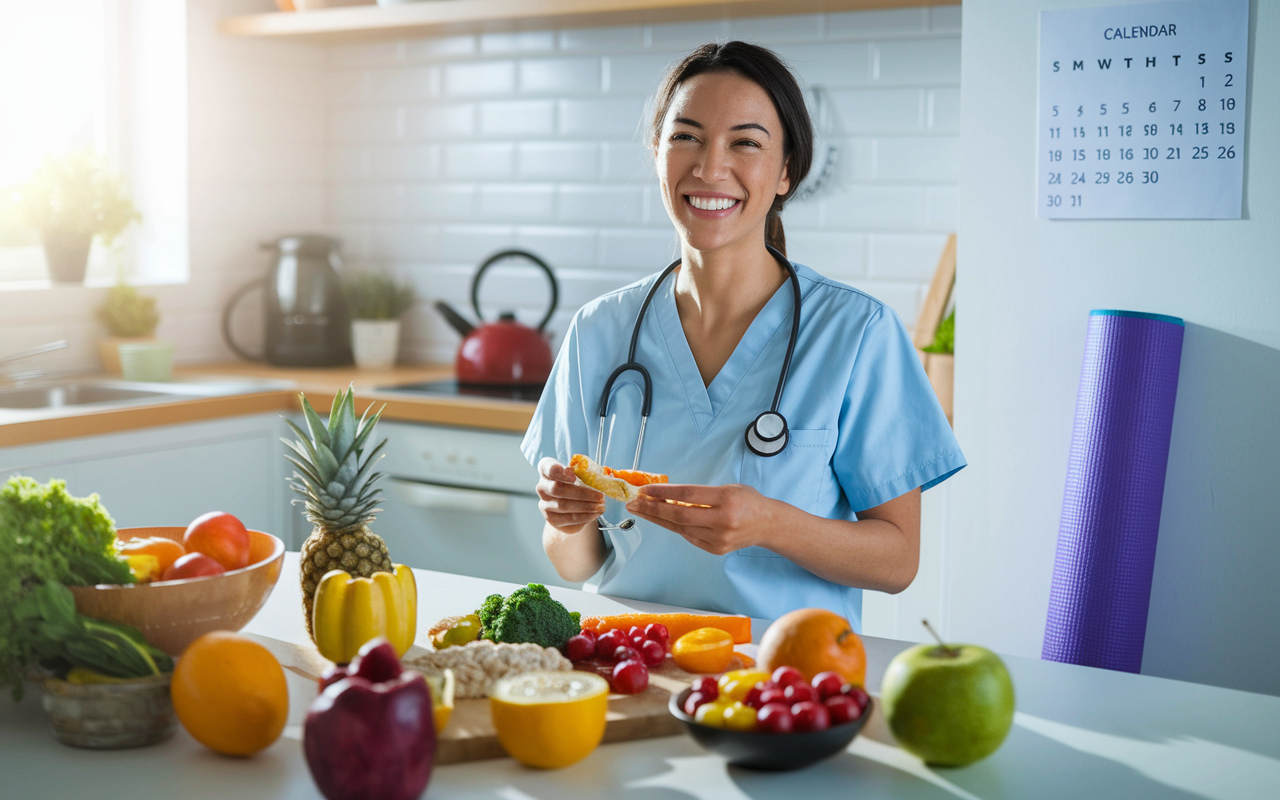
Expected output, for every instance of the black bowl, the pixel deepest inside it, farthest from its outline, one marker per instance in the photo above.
(769, 751)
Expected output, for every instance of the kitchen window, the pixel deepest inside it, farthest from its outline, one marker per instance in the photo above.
(108, 76)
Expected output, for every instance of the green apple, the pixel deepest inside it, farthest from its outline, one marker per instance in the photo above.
(950, 705)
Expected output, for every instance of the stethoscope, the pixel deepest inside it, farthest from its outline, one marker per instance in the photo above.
(767, 435)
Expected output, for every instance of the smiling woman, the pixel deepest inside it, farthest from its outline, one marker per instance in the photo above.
(803, 512)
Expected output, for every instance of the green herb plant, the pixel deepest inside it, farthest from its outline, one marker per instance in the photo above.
(373, 296)
(47, 536)
(529, 614)
(78, 193)
(128, 313)
(944, 341)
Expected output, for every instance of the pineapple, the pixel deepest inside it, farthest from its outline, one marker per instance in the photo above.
(333, 477)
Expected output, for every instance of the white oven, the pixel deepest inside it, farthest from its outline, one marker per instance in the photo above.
(461, 500)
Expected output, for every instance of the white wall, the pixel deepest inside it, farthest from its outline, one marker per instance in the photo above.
(1024, 289)
(444, 150)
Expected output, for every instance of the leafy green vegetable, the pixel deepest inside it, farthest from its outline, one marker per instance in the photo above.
(46, 535)
(47, 620)
(528, 614)
(944, 341)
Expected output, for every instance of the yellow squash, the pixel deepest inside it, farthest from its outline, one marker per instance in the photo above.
(350, 611)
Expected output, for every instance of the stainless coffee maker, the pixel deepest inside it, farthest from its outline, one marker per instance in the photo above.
(306, 321)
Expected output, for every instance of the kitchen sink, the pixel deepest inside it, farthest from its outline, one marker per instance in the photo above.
(70, 394)
(73, 394)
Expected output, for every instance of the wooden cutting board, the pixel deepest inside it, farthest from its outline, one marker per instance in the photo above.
(470, 736)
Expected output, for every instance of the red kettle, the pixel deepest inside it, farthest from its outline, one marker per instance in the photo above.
(502, 353)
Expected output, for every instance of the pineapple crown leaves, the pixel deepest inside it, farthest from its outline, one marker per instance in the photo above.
(333, 476)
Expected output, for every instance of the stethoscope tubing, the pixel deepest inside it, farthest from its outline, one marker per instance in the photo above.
(631, 363)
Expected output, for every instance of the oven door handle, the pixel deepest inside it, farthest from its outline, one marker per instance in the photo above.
(450, 498)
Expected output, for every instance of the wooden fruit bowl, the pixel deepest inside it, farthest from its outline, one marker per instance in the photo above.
(173, 614)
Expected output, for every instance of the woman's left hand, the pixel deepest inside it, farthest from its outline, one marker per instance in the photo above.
(718, 519)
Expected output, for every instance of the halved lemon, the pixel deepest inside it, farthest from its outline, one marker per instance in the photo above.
(441, 687)
(550, 719)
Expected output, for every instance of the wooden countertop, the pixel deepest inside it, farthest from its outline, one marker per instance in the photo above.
(318, 384)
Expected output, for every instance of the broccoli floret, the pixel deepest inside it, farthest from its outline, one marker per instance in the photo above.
(528, 614)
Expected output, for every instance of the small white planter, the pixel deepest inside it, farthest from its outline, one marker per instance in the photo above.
(374, 342)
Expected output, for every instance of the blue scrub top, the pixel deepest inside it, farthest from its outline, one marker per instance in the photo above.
(865, 427)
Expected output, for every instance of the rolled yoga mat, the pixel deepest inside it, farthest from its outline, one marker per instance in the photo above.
(1115, 486)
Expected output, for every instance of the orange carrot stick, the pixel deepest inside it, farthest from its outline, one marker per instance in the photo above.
(677, 624)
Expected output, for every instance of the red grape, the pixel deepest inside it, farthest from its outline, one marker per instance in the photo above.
(785, 676)
(753, 696)
(653, 653)
(579, 648)
(637, 641)
(859, 696)
(591, 636)
(775, 718)
(811, 716)
(658, 632)
(842, 708)
(635, 631)
(800, 692)
(630, 677)
(694, 700)
(827, 684)
(710, 687)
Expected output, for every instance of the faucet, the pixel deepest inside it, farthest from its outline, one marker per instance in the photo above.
(34, 351)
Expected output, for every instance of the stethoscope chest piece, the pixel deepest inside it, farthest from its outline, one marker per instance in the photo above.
(767, 434)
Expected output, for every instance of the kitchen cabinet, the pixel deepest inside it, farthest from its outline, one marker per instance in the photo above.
(170, 474)
(360, 23)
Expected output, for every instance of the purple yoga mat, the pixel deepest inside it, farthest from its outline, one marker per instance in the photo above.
(1115, 486)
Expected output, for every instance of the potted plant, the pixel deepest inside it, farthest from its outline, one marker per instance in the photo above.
(375, 303)
(71, 199)
(129, 318)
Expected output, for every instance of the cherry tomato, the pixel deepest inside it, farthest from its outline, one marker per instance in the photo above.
(658, 633)
(579, 648)
(708, 686)
(811, 716)
(608, 642)
(653, 653)
(842, 708)
(800, 692)
(694, 701)
(827, 684)
(785, 676)
(859, 696)
(739, 717)
(775, 718)
(630, 677)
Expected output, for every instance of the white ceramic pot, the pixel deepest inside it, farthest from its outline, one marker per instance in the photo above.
(374, 342)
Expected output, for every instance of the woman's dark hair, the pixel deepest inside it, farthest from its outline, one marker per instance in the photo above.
(765, 69)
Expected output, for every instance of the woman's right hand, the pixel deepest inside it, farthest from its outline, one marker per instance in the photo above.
(566, 505)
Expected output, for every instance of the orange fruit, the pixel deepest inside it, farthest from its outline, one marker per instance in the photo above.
(230, 694)
(814, 640)
(703, 650)
(165, 550)
(550, 719)
(219, 536)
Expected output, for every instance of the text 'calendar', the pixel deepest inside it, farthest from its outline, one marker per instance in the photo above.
(1142, 111)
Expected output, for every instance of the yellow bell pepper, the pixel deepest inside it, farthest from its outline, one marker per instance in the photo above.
(350, 611)
(145, 567)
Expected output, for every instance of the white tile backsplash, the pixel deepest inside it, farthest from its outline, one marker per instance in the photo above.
(441, 151)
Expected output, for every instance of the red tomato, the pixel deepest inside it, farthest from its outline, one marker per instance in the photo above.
(192, 565)
(220, 536)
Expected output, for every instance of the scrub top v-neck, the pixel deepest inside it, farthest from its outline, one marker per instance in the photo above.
(864, 423)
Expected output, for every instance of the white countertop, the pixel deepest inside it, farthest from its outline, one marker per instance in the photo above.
(1079, 733)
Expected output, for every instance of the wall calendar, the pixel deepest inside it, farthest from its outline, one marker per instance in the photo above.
(1142, 111)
